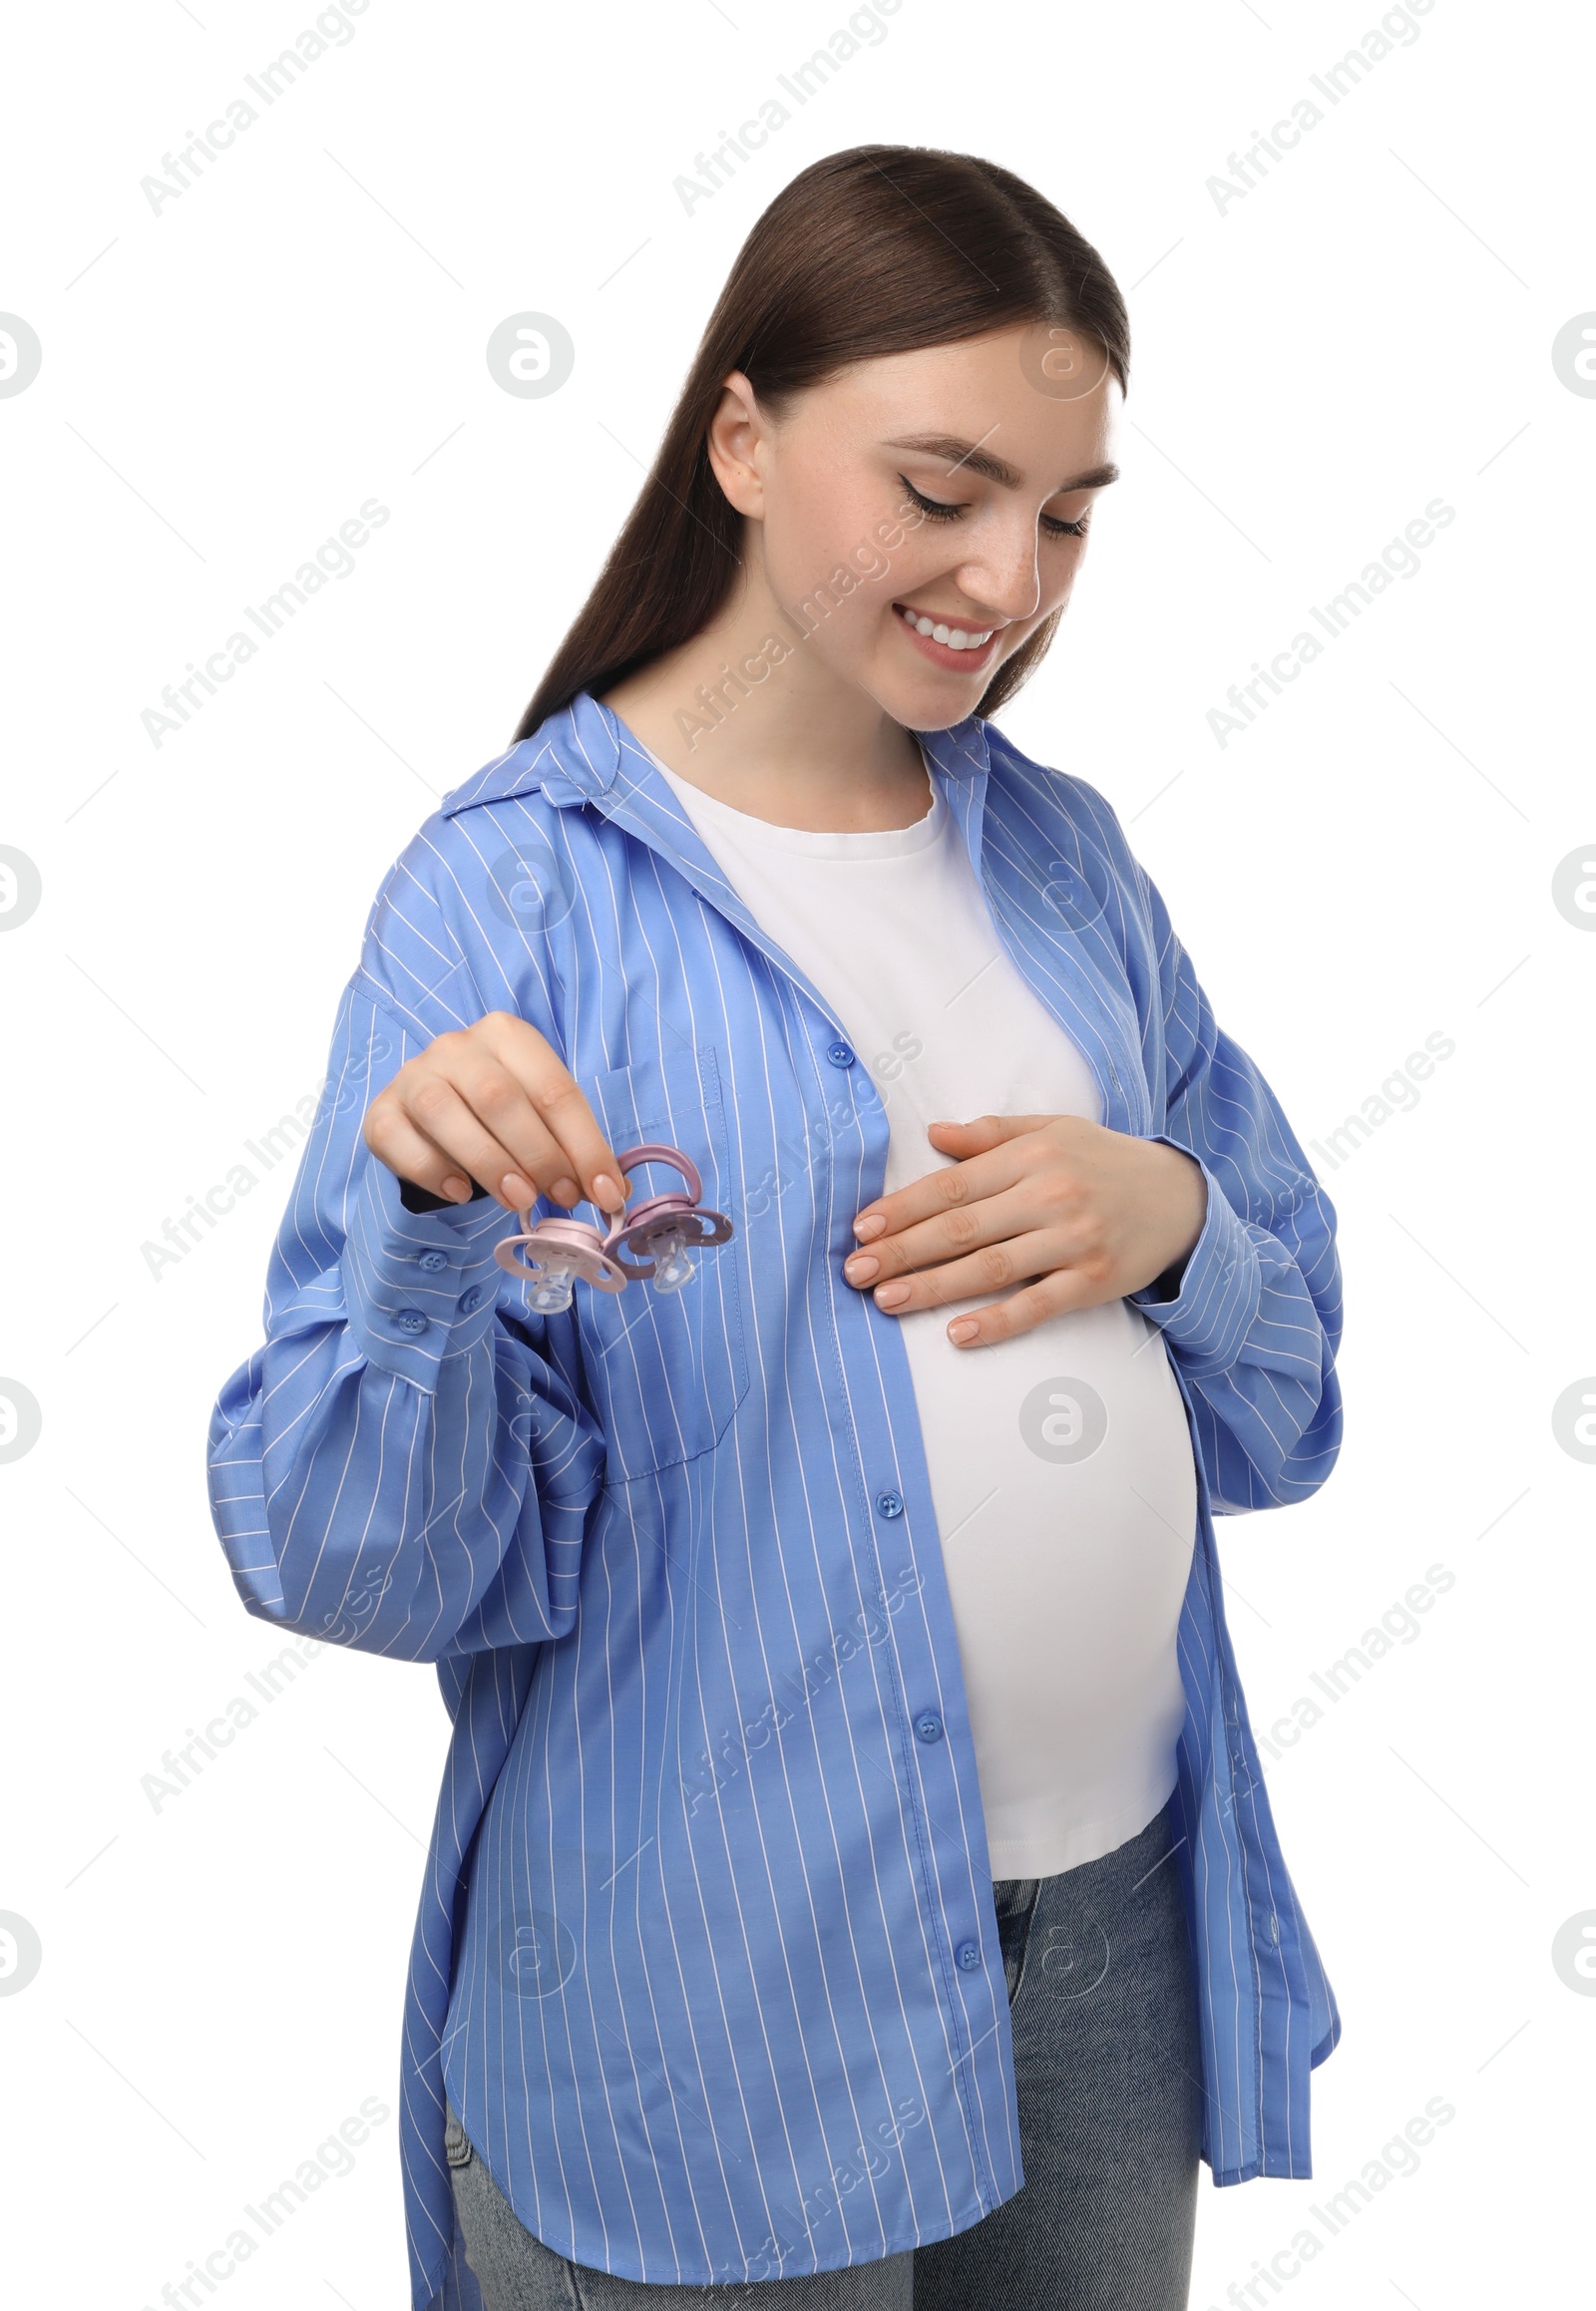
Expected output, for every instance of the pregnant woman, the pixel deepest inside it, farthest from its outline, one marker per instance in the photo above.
(852, 1883)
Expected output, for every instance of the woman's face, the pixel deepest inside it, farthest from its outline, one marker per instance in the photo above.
(952, 485)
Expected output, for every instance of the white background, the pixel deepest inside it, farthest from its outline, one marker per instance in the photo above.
(223, 384)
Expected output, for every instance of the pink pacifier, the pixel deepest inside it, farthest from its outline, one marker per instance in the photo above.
(664, 1230)
(560, 1251)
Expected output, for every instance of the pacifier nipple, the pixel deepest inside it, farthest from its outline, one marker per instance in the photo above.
(673, 1263)
(551, 1294)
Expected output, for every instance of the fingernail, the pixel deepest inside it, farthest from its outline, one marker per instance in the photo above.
(565, 1192)
(457, 1189)
(607, 1191)
(860, 1267)
(962, 1327)
(870, 1227)
(521, 1192)
(892, 1295)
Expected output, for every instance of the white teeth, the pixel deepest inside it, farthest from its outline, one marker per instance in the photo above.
(954, 637)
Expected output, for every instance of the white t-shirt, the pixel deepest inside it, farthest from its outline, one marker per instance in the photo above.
(1060, 1460)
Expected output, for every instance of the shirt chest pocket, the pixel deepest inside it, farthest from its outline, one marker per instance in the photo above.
(667, 1371)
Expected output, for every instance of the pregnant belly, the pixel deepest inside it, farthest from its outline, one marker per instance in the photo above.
(1061, 1471)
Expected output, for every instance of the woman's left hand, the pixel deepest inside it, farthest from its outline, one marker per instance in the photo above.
(1090, 1214)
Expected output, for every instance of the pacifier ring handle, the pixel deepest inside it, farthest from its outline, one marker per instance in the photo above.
(656, 1151)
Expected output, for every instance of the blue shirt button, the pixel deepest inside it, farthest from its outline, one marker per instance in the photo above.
(470, 1300)
(433, 1261)
(968, 1955)
(890, 1504)
(411, 1320)
(840, 1054)
(929, 1727)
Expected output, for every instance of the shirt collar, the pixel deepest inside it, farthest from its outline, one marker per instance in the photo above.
(584, 754)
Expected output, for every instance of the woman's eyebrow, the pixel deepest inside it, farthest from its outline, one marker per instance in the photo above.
(996, 469)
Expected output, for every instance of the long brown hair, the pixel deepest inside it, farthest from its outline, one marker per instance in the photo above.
(880, 249)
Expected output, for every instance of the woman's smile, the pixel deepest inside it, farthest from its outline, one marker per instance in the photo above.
(963, 650)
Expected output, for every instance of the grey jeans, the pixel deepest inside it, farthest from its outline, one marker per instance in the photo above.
(1104, 2015)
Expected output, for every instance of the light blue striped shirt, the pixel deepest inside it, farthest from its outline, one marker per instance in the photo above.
(706, 1953)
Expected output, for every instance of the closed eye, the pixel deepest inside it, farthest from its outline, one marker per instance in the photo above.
(934, 510)
(931, 507)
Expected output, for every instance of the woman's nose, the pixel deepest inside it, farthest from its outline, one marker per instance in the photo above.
(1005, 583)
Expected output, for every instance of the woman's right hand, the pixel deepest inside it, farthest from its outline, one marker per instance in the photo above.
(494, 1103)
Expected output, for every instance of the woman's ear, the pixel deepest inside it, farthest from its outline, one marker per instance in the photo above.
(736, 432)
